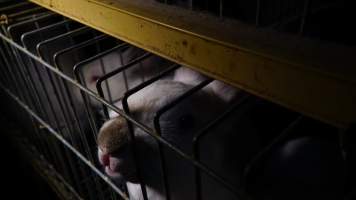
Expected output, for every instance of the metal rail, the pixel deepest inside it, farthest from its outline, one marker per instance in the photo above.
(316, 79)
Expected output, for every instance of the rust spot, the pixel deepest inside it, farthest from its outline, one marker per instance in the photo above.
(185, 43)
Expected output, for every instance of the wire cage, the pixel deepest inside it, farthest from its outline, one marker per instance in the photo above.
(70, 79)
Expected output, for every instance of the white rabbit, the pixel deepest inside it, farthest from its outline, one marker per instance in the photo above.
(178, 126)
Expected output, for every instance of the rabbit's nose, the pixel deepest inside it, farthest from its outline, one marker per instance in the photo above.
(104, 158)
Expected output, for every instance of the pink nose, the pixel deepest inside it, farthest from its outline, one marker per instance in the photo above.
(106, 159)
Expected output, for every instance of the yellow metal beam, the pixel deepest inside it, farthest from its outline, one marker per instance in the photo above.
(311, 77)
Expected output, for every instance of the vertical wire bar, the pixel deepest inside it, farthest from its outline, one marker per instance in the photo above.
(133, 149)
(163, 161)
(142, 69)
(130, 126)
(123, 73)
(304, 17)
(98, 49)
(157, 126)
(87, 101)
(114, 72)
(104, 72)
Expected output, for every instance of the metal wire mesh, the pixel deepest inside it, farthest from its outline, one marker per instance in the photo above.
(45, 60)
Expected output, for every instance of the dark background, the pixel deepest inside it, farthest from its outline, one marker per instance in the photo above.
(18, 177)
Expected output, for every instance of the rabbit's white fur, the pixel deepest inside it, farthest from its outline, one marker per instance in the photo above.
(178, 126)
